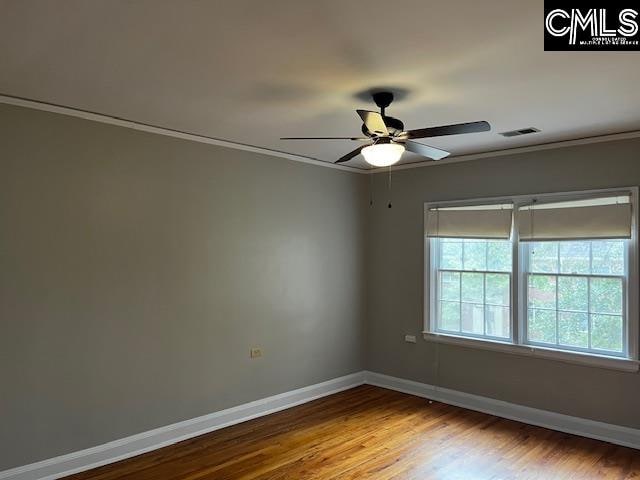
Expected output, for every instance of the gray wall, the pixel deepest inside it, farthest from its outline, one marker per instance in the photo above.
(136, 271)
(396, 282)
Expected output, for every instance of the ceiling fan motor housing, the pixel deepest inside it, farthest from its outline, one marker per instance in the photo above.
(383, 100)
(394, 126)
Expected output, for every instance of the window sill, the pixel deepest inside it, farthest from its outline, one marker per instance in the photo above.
(600, 361)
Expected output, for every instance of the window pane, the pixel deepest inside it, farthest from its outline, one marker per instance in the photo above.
(573, 329)
(497, 319)
(542, 291)
(475, 255)
(573, 293)
(542, 326)
(450, 255)
(574, 257)
(607, 257)
(499, 256)
(543, 257)
(606, 332)
(450, 316)
(583, 306)
(473, 318)
(497, 285)
(606, 295)
(473, 287)
(450, 286)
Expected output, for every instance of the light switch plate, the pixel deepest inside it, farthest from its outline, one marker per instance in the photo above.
(410, 338)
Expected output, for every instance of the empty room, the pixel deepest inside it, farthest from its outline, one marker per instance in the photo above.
(332, 240)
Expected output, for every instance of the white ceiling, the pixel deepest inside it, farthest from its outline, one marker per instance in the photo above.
(253, 71)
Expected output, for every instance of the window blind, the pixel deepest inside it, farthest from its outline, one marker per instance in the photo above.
(603, 217)
(477, 221)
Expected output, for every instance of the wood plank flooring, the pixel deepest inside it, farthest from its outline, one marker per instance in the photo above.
(371, 432)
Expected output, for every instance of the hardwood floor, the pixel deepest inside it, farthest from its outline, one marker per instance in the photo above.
(370, 432)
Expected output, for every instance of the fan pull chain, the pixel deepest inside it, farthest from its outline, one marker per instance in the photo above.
(390, 204)
(371, 189)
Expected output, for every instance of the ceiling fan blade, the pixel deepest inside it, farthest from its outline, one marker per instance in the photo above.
(350, 155)
(456, 129)
(426, 150)
(374, 122)
(358, 139)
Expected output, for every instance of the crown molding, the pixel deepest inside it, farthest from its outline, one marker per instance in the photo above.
(169, 132)
(145, 127)
(512, 151)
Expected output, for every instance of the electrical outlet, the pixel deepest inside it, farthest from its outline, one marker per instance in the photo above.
(410, 338)
(255, 352)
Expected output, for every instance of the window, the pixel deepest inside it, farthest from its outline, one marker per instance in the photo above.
(575, 292)
(474, 287)
(544, 273)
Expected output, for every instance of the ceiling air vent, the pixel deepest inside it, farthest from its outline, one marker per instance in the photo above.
(522, 131)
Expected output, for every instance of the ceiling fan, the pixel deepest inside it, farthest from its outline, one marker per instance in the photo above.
(390, 139)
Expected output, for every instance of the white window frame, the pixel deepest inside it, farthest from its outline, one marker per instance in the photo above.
(435, 269)
(517, 343)
(525, 273)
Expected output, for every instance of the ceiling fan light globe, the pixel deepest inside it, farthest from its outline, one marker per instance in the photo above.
(383, 155)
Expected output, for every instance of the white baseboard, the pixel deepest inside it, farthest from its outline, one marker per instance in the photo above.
(625, 436)
(161, 437)
(75, 462)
